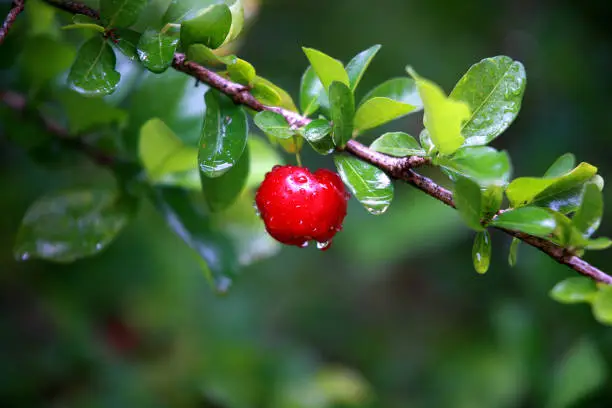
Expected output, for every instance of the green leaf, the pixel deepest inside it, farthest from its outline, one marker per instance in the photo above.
(562, 165)
(121, 13)
(317, 133)
(93, 71)
(468, 200)
(481, 252)
(165, 158)
(359, 64)
(493, 89)
(559, 193)
(224, 135)
(531, 220)
(66, 226)
(181, 10)
(44, 58)
(574, 290)
(264, 93)
(378, 111)
(568, 388)
(205, 56)
(443, 116)
(370, 185)
(310, 89)
(273, 124)
(400, 89)
(221, 192)
(398, 144)
(513, 253)
(85, 113)
(241, 71)
(327, 69)
(342, 112)
(237, 20)
(482, 164)
(589, 214)
(187, 219)
(598, 244)
(602, 305)
(492, 197)
(209, 28)
(156, 50)
(127, 42)
(426, 142)
(285, 100)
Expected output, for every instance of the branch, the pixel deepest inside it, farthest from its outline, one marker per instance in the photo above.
(10, 18)
(398, 168)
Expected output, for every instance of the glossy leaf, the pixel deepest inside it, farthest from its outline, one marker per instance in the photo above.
(492, 197)
(426, 142)
(237, 11)
(156, 50)
(401, 89)
(203, 55)
(209, 28)
(513, 253)
(187, 219)
(602, 305)
(598, 244)
(264, 93)
(85, 113)
(398, 144)
(468, 200)
(327, 69)
(482, 164)
(317, 129)
(493, 89)
(378, 111)
(574, 290)
(370, 185)
(285, 101)
(310, 89)
(224, 135)
(221, 192)
(481, 252)
(443, 116)
(531, 220)
(93, 71)
(70, 225)
(342, 112)
(273, 124)
(557, 193)
(121, 13)
(241, 71)
(359, 64)
(127, 42)
(589, 214)
(181, 10)
(562, 165)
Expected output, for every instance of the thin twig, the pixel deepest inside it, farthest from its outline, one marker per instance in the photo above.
(16, 8)
(399, 168)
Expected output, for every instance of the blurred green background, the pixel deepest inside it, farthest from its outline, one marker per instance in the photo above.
(393, 315)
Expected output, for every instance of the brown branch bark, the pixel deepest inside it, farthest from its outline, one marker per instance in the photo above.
(398, 168)
(16, 8)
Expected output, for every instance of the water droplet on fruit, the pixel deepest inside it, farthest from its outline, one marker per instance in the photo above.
(301, 179)
(323, 246)
(304, 244)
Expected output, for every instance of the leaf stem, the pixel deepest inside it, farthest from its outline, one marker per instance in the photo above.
(298, 157)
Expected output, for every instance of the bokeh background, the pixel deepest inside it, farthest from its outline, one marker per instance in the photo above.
(393, 315)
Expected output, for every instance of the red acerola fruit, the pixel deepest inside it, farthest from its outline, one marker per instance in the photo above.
(298, 206)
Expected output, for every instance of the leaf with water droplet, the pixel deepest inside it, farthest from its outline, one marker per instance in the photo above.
(370, 185)
(531, 220)
(93, 71)
(493, 89)
(342, 105)
(70, 225)
(273, 124)
(317, 133)
(574, 290)
(156, 49)
(481, 252)
(224, 135)
(589, 214)
(221, 192)
(241, 71)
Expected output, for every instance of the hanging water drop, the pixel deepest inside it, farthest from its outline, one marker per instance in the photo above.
(304, 244)
(323, 246)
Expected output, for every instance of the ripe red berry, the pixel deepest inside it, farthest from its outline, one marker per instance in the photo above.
(298, 206)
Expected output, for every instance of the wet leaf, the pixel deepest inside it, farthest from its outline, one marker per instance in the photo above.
(602, 305)
(327, 69)
(121, 13)
(221, 192)
(310, 89)
(127, 42)
(285, 100)
(513, 253)
(88, 113)
(237, 11)
(492, 197)
(493, 89)
(274, 124)
(574, 290)
(181, 10)
(401, 89)
(589, 214)
(342, 112)
(482, 164)
(481, 252)
(378, 111)
(443, 116)
(70, 225)
(359, 64)
(398, 144)
(241, 71)
(264, 93)
(224, 135)
(531, 220)
(370, 185)
(426, 142)
(318, 134)
(93, 71)
(562, 165)
(209, 28)
(156, 50)
(468, 199)
(205, 56)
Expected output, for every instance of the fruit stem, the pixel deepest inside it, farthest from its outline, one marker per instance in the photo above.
(298, 158)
